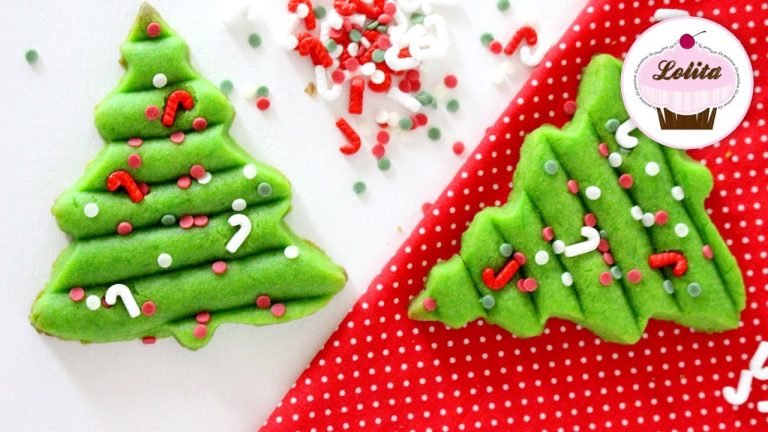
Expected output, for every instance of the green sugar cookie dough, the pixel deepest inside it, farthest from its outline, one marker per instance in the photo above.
(175, 228)
(592, 233)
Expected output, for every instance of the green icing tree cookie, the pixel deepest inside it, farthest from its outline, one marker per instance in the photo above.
(593, 232)
(175, 228)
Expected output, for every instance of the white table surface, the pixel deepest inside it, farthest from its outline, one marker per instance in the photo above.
(46, 117)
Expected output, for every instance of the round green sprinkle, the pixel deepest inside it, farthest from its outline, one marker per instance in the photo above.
(669, 288)
(254, 40)
(382, 28)
(355, 35)
(488, 301)
(384, 164)
(611, 125)
(32, 56)
(264, 189)
(331, 45)
(425, 98)
(320, 12)
(486, 39)
(226, 86)
(694, 289)
(262, 91)
(616, 272)
(359, 187)
(168, 220)
(506, 250)
(550, 167)
(378, 56)
(434, 133)
(453, 105)
(502, 5)
(417, 18)
(405, 123)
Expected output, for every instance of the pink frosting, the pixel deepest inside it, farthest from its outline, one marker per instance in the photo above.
(686, 96)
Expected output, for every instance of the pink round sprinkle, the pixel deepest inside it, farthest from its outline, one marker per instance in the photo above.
(135, 142)
(351, 64)
(520, 284)
(458, 148)
(184, 182)
(519, 257)
(197, 171)
(450, 81)
(390, 8)
(200, 331)
(378, 151)
(602, 148)
(605, 278)
(530, 285)
(338, 76)
(634, 276)
(263, 301)
(201, 220)
(661, 217)
(203, 317)
(148, 340)
(144, 188)
(608, 258)
(384, 19)
(199, 124)
(263, 103)
(429, 304)
(626, 181)
(153, 29)
(603, 246)
(134, 160)
(425, 207)
(219, 267)
(152, 112)
(706, 250)
(573, 187)
(177, 137)
(124, 228)
(382, 137)
(186, 221)
(384, 42)
(148, 308)
(590, 220)
(548, 233)
(569, 107)
(76, 294)
(277, 309)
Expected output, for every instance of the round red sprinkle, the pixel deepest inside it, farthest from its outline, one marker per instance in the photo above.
(421, 119)
(384, 19)
(519, 257)
(148, 308)
(203, 317)
(605, 278)
(706, 250)
(530, 285)
(263, 301)
(602, 148)
(415, 85)
(197, 171)
(201, 220)
(661, 217)
(412, 75)
(200, 331)
(277, 309)
(382, 137)
(153, 29)
(104, 303)
(573, 187)
(384, 42)
(495, 47)
(177, 137)
(569, 107)
(520, 284)
(152, 112)
(148, 340)
(390, 8)
(134, 160)
(626, 181)
(338, 76)
(263, 103)
(405, 86)
(548, 233)
(603, 246)
(590, 220)
(429, 304)
(378, 151)
(135, 142)
(199, 124)
(124, 228)
(450, 81)
(634, 276)
(458, 148)
(184, 182)
(351, 64)
(219, 267)
(425, 206)
(76, 294)
(186, 221)
(608, 258)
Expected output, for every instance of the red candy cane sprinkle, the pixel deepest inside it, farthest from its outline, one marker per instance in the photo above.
(526, 33)
(497, 282)
(676, 260)
(179, 97)
(357, 88)
(353, 139)
(122, 179)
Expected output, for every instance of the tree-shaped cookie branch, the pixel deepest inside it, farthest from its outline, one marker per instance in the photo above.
(593, 232)
(175, 228)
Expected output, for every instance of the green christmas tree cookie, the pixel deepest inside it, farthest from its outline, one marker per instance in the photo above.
(175, 228)
(593, 232)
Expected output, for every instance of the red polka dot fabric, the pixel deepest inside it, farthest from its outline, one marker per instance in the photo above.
(382, 371)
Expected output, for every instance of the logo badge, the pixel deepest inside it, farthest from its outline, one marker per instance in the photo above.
(687, 82)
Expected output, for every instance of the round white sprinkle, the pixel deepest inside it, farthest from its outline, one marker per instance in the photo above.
(159, 80)
(205, 179)
(239, 204)
(291, 252)
(615, 160)
(677, 193)
(681, 230)
(249, 171)
(652, 168)
(558, 247)
(648, 219)
(567, 279)
(164, 260)
(302, 10)
(593, 192)
(636, 212)
(93, 302)
(91, 210)
(541, 258)
(382, 117)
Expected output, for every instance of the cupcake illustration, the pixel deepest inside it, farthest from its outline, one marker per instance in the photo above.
(686, 83)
